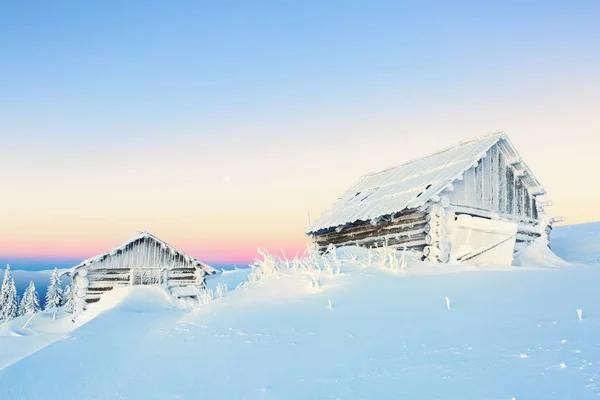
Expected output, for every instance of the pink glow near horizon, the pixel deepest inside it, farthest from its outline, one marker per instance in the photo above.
(256, 192)
(241, 254)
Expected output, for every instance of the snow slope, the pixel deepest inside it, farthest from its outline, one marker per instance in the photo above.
(509, 333)
(578, 243)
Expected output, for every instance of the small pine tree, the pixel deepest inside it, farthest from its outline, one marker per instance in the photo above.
(22, 307)
(8, 297)
(68, 298)
(54, 295)
(30, 303)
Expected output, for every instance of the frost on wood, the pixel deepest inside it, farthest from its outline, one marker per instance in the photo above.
(413, 206)
(144, 260)
(145, 251)
(482, 241)
(8, 297)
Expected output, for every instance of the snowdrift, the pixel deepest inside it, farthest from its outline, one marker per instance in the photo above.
(353, 325)
(577, 243)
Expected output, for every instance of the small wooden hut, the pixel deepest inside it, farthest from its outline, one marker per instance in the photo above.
(462, 204)
(144, 260)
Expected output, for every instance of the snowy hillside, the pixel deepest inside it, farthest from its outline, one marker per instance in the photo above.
(578, 243)
(385, 330)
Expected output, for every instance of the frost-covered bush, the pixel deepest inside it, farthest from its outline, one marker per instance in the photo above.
(221, 290)
(269, 264)
(331, 260)
(309, 263)
(387, 257)
(68, 298)
(205, 296)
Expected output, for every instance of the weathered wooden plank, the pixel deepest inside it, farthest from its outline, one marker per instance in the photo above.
(510, 196)
(101, 277)
(183, 283)
(405, 215)
(479, 212)
(479, 184)
(394, 240)
(340, 238)
(401, 231)
(182, 278)
(502, 183)
(108, 271)
(519, 198)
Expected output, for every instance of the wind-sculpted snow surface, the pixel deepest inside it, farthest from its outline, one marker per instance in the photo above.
(578, 243)
(387, 330)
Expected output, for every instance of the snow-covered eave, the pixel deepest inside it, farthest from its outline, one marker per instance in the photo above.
(140, 236)
(428, 195)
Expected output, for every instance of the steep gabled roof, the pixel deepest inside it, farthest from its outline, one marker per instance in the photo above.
(412, 184)
(141, 236)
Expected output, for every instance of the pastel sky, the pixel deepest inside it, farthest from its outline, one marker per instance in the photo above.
(218, 126)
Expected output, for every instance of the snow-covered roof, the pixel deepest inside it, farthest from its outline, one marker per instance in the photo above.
(412, 184)
(140, 237)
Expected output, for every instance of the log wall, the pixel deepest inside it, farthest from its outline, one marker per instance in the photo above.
(406, 230)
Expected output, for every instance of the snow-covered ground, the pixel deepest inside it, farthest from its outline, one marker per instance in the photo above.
(578, 243)
(369, 332)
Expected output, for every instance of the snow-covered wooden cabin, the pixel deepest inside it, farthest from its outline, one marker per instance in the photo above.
(144, 260)
(476, 202)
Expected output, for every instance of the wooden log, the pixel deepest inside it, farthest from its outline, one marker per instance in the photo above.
(96, 276)
(107, 270)
(341, 237)
(408, 241)
(94, 285)
(403, 216)
(183, 283)
(408, 231)
(182, 278)
(407, 220)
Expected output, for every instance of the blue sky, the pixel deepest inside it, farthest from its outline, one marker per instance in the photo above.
(219, 125)
(117, 62)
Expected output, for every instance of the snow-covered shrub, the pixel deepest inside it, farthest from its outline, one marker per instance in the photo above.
(54, 294)
(205, 296)
(221, 290)
(68, 298)
(30, 303)
(327, 265)
(310, 263)
(269, 264)
(331, 261)
(8, 297)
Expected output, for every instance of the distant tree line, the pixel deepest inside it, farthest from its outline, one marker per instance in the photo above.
(12, 306)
